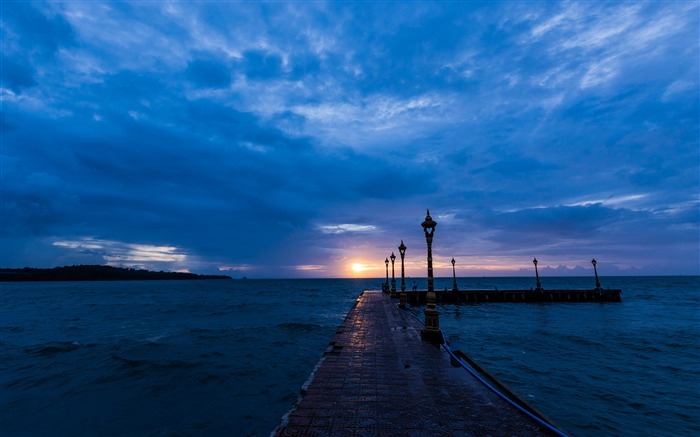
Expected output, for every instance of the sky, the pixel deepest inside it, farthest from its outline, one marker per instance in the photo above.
(307, 139)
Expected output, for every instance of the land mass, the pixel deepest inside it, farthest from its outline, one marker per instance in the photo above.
(95, 273)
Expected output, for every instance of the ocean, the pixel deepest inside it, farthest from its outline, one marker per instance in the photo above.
(199, 358)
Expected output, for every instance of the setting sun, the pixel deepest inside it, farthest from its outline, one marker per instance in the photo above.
(357, 267)
(361, 269)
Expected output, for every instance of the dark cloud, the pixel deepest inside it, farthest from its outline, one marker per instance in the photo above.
(42, 32)
(561, 220)
(304, 66)
(16, 74)
(260, 65)
(210, 74)
(30, 38)
(559, 232)
(378, 180)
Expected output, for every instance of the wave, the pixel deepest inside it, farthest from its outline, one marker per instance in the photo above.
(211, 378)
(299, 327)
(54, 348)
(207, 334)
(198, 330)
(139, 366)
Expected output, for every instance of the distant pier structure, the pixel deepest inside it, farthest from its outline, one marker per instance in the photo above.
(537, 294)
(497, 295)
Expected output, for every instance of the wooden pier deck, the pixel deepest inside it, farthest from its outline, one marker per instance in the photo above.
(378, 377)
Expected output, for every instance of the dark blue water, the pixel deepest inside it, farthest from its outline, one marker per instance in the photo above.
(228, 357)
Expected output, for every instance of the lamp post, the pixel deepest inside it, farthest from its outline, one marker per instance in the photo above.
(429, 229)
(431, 332)
(393, 278)
(454, 276)
(537, 275)
(386, 284)
(402, 296)
(597, 282)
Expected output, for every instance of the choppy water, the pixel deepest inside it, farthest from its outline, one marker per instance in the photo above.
(228, 357)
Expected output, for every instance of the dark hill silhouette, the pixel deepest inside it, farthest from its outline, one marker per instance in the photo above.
(94, 273)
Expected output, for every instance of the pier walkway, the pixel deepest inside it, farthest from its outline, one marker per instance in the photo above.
(378, 377)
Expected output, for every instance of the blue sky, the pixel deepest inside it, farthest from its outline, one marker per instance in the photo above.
(307, 139)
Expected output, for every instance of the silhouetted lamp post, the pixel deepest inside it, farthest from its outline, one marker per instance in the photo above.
(402, 297)
(393, 278)
(386, 284)
(454, 276)
(431, 331)
(537, 275)
(402, 252)
(597, 282)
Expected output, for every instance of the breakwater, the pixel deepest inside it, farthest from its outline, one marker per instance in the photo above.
(531, 296)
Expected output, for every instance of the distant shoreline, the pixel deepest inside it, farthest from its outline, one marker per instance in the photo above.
(95, 273)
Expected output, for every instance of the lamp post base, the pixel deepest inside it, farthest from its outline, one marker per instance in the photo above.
(432, 335)
(431, 332)
(402, 300)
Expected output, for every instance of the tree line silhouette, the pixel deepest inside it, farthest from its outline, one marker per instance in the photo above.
(95, 273)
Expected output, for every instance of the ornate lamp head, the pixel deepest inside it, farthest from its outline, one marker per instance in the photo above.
(534, 261)
(428, 224)
(453, 262)
(393, 257)
(402, 248)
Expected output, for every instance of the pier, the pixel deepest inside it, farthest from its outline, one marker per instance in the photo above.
(377, 377)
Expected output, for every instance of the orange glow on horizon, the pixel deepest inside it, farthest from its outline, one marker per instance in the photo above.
(359, 269)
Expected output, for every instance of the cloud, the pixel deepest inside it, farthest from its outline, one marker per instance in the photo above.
(310, 268)
(679, 87)
(514, 165)
(240, 267)
(117, 253)
(347, 227)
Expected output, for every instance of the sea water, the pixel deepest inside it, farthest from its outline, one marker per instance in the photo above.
(212, 357)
